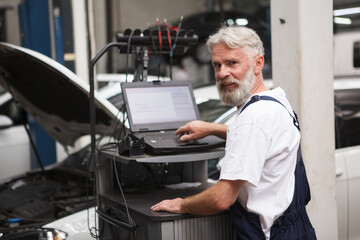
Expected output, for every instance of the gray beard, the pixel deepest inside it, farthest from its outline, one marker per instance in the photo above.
(239, 95)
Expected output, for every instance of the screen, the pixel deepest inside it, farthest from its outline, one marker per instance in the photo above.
(160, 104)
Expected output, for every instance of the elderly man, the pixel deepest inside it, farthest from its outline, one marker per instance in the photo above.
(262, 181)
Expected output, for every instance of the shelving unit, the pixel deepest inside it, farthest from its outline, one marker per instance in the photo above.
(116, 201)
(157, 225)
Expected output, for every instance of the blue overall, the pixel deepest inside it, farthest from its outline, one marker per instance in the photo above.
(294, 223)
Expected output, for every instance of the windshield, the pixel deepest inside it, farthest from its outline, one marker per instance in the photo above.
(212, 109)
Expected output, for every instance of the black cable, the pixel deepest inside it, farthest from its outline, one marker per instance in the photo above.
(94, 235)
(94, 232)
(160, 44)
(172, 48)
(33, 146)
(123, 128)
(171, 65)
(127, 56)
(97, 189)
(111, 129)
(124, 110)
(157, 54)
(153, 42)
(113, 212)
(177, 32)
(131, 222)
(112, 232)
(117, 123)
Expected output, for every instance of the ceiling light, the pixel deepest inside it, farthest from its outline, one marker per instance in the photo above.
(341, 20)
(242, 21)
(230, 22)
(346, 11)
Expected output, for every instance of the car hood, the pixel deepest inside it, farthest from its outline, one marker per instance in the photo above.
(52, 94)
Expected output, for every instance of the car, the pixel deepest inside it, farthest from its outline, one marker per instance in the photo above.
(59, 101)
(77, 226)
(13, 138)
(206, 23)
(347, 153)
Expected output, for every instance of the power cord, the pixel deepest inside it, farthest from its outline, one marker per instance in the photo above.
(33, 146)
(94, 232)
(127, 56)
(131, 222)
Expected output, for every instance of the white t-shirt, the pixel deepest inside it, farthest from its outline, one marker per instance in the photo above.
(261, 148)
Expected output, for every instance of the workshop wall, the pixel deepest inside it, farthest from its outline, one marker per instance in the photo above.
(140, 13)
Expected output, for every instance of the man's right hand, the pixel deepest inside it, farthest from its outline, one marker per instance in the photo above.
(199, 129)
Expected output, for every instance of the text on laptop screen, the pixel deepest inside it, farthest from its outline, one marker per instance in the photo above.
(160, 104)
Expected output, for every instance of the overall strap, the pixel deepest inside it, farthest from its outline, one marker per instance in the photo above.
(257, 98)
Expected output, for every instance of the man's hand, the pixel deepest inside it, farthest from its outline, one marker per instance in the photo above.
(199, 129)
(193, 130)
(173, 206)
(215, 199)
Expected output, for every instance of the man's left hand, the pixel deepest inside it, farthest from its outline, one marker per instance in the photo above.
(173, 206)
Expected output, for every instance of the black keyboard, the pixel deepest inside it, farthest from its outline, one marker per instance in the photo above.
(160, 135)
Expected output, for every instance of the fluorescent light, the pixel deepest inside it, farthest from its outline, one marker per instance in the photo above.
(341, 20)
(230, 22)
(346, 11)
(242, 21)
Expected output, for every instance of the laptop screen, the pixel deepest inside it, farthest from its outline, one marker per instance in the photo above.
(159, 106)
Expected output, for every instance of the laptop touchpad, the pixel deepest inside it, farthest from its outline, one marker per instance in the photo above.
(191, 143)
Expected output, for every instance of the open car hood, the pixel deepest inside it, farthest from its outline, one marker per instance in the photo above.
(52, 94)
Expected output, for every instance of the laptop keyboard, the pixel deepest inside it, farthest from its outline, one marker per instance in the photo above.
(160, 135)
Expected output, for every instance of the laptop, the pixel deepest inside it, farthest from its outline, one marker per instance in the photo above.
(157, 109)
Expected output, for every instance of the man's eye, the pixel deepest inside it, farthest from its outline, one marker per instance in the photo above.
(233, 62)
(216, 65)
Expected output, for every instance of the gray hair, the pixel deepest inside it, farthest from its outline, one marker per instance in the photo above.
(237, 37)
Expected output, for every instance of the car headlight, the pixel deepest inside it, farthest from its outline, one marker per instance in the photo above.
(53, 234)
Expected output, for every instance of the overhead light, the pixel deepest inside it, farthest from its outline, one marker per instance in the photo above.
(346, 11)
(341, 20)
(241, 21)
(230, 22)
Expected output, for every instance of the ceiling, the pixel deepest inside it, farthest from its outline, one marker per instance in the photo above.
(355, 18)
(345, 3)
(253, 6)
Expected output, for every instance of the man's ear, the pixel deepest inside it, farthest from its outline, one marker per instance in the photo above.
(259, 64)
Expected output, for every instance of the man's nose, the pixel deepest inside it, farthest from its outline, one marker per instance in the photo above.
(223, 72)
